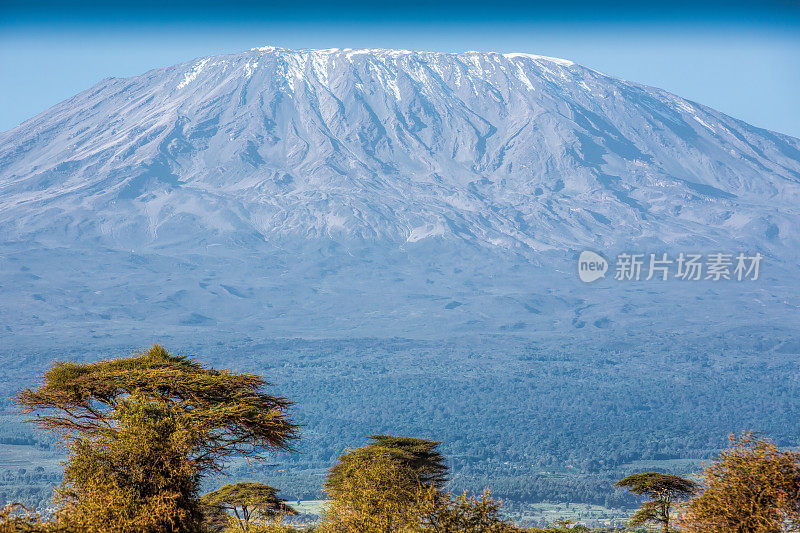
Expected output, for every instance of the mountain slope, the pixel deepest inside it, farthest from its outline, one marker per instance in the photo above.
(368, 176)
(507, 150)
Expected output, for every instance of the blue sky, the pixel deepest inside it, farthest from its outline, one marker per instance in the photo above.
(741, 60)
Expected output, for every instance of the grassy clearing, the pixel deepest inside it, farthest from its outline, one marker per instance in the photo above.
(589, 515)
(664, 465)
(16, 456)
(310, 507)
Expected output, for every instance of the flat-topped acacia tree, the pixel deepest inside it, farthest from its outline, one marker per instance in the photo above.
(664, 490)
(145, 412)
(419, 456)
(230, 411)
(248, 501)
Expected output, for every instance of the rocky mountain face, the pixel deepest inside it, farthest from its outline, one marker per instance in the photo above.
(381, 192)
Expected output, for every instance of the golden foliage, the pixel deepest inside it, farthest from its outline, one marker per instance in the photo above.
(377, 493)
(252, 504)
(142, 430)
(420, 455)
(137, 479)
(464, 513)
(752, 488)
(663, 490)
(230, 411)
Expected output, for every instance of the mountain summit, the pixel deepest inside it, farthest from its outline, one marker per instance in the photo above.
(504, 150)
(371, 155)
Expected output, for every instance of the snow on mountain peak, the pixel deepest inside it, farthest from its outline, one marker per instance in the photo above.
(394, 53)
(516, 151)
(564, 62)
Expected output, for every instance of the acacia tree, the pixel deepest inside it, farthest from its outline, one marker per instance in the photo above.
(663, 490)
(111, 414)
(752, 488)
(394, 485)
(247, 502)
(140, 479)
(420, 456)
(375, 494)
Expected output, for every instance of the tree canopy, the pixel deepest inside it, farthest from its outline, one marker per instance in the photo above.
(247, 501)
(140, 479)
(142, 430)
(374, 493)
(230, 411)
(752, 487)
(377, 493)
(419, 456)
(663, 490)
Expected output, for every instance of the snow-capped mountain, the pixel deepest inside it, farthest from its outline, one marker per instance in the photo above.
(508, 150)
(366, 158)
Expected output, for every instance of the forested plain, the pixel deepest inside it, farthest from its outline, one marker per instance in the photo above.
(547, 419)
